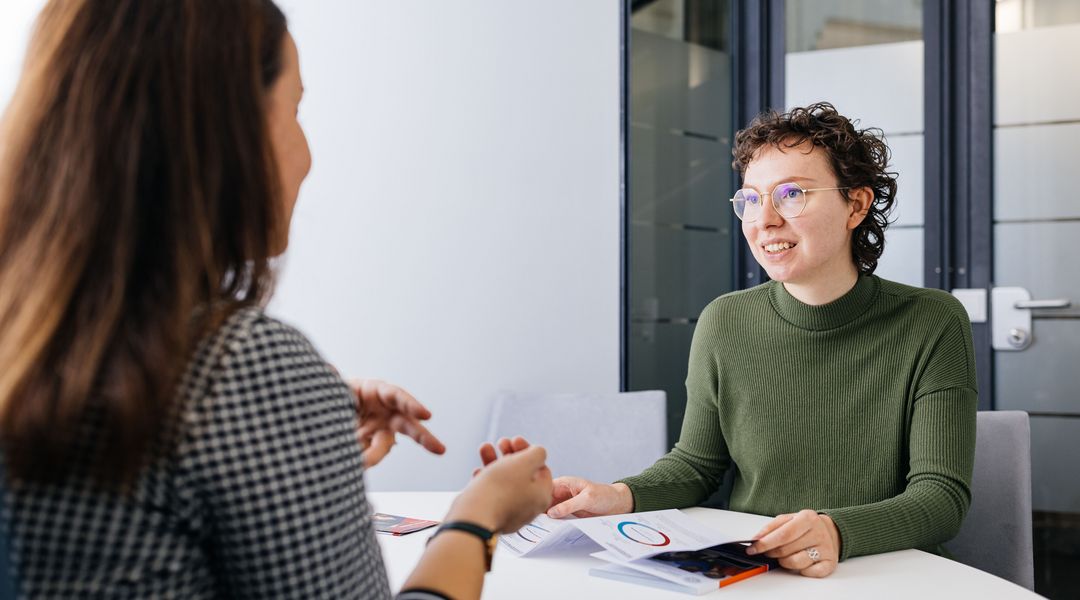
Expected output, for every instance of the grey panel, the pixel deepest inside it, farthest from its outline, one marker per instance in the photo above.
(1035, 75)
(1055, 446)
(1034, 172)
(1039, 257)
(659, 353)
(903, 259)
(679, 179)
(675, 273)
(828, 75)
(907, 154)
(1045, 377)
(678, 85)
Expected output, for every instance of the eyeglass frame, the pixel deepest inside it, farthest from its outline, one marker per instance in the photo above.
(773, 200)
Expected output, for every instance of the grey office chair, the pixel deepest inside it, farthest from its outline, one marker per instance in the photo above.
(602, 437)
(996, 535)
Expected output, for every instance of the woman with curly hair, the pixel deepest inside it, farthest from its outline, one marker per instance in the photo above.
(844, 403)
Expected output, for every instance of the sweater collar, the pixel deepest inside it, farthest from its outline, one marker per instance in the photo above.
(839, 312)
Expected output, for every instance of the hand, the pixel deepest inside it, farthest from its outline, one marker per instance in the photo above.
(386, 410)
(506, 446)
(507, 493)
(789, 537)
(571, 495)
(584, 498)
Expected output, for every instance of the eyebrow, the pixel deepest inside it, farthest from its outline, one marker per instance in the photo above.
(789, 179)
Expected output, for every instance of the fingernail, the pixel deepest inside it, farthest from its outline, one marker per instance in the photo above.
(750, 551)
(554, 514)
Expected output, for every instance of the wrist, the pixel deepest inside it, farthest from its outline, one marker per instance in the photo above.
(626, 498)
(471, 511)
(834, 531)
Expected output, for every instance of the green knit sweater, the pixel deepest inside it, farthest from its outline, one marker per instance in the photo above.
(862, 409)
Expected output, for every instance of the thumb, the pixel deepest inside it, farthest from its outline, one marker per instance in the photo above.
(569, 507)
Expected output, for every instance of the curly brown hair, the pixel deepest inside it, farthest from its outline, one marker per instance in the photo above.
(859, 158)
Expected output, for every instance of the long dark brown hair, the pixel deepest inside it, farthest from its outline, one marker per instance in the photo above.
(139, 206)
(858, 157)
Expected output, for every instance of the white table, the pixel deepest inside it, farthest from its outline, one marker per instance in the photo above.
(907, 574)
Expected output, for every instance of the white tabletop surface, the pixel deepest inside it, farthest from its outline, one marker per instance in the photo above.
(907, 574)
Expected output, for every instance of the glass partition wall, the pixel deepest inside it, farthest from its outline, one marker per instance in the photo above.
(679, 229)
(976, 195)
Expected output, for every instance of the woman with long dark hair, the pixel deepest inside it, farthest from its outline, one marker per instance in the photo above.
(161, 435)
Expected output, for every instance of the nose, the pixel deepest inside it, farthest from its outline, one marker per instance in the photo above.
(768, 216)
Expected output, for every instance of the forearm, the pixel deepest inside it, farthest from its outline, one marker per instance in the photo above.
(453, 565)
(677, 480)
(931, 508)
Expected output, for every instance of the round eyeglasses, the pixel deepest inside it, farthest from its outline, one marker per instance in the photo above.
(789, 200)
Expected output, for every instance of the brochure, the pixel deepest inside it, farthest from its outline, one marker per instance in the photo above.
(664, 548)
(398, 525)
(693, 572)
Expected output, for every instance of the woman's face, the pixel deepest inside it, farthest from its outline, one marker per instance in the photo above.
(819, 239)
(286, 135)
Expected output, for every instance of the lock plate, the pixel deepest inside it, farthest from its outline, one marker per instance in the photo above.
(1011, 326)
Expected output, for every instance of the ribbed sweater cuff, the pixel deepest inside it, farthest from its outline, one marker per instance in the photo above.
(653, 495)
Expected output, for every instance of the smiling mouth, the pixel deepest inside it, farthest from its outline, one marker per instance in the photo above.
(778, 247)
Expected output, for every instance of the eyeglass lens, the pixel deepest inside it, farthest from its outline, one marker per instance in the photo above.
(788, 199)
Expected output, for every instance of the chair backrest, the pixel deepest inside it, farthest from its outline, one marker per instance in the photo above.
(602, 437)
(996, 535)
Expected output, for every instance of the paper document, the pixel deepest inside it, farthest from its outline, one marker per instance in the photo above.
(545, 534)
(640, 535)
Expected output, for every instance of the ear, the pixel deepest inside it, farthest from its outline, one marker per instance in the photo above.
(861, 199)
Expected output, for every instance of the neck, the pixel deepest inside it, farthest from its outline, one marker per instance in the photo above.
(826, 289)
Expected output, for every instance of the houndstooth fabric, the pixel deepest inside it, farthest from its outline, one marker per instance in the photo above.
(262, 496)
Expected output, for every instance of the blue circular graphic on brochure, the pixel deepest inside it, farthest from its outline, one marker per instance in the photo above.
(532, 533)
(643, 534)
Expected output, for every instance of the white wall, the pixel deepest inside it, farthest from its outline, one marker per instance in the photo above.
(458, 233)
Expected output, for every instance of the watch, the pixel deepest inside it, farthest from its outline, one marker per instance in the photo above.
(486, 535)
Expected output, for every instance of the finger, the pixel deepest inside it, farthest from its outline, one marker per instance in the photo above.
(773, 525)
(368, 428)
(822, 568)
(487, 454)
(529, 460)
(380, 446)
(402, 401)
(812, 539)
(518, 444)
(796, 562)
(795, 528)
(563, 488)
(506, 446)
(419, 433)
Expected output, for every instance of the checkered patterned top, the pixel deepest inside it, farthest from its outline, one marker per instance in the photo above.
(261, 497)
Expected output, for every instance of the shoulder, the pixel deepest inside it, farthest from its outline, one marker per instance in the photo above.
(249, 338)
(255, 362)
(928, 304)
(732, 303)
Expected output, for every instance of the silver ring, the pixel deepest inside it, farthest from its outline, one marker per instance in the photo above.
(813, 554)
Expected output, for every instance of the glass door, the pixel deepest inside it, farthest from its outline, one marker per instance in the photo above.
(679, 230)
(1035, 304)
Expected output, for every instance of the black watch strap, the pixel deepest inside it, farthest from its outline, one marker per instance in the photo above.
(486, 535)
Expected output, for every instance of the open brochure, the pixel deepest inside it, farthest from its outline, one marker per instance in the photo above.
(666, 545)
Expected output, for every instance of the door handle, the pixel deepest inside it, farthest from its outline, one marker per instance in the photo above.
(1059, 303)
